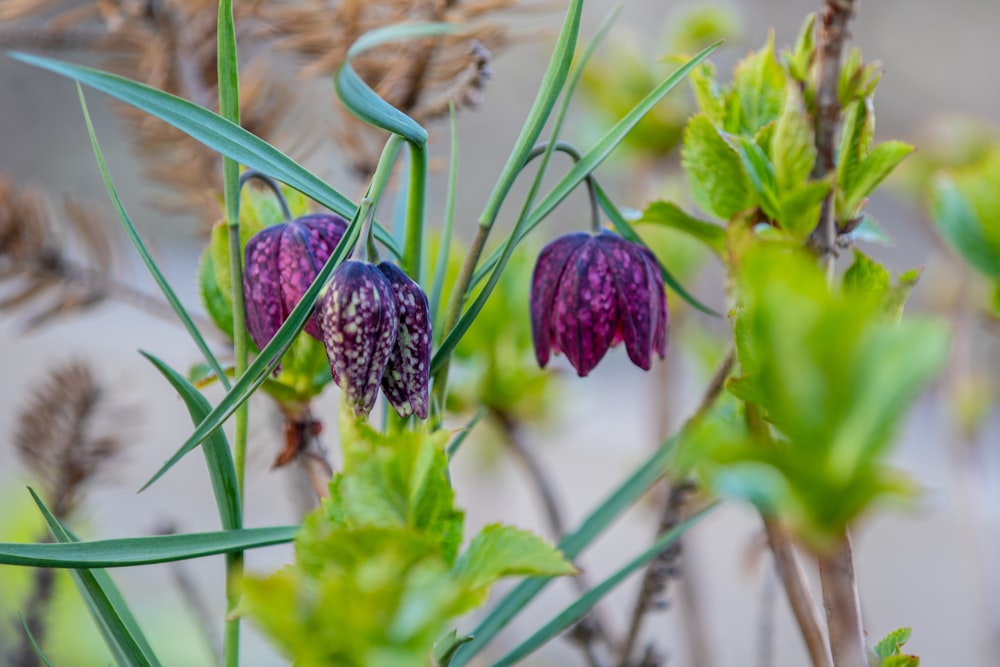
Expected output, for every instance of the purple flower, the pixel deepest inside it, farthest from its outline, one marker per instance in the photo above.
(359, 322)
(590, 292)
(407, 376)
(281, 262)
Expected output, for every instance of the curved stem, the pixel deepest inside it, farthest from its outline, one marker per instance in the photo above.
(574, 153)
(417, 192)
(253, 174)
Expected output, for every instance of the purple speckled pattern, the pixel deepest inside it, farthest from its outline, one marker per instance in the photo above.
(406, 382)
(590, 292)
(281, 262)
(359, 321)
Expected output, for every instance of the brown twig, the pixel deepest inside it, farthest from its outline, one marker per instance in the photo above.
(843, 609)
(663, 567)
(832, 35)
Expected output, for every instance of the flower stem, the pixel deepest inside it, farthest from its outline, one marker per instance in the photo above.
(253, 174)
(413, 240)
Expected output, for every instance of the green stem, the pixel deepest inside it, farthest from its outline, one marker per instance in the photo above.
(413, 241)
(229, 108)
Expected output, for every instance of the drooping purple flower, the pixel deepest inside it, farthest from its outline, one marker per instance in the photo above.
(281, 262)
(590, 292)
(359, 321)
(407, 376)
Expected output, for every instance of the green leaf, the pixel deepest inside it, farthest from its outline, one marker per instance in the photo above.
(800, 207)
(671, 215)
(501, 551)
(856, 138)
(216, 302)
(590, 160)
(760, 170)
(218, 456)
(363, 102)
(460, 437)
(799, 60)
(872, 171)
(719, 182)
(31, 638)
(444, 648)
(901, 661)
(118, 626)
(140, 247)
(552, 84)
(958, 223)
(759, 84)
(129, 551)
(572, 545)
(710, 97)
(586, 602)
(892, 642)
(793, 147)
(211, 130)
(866, 278)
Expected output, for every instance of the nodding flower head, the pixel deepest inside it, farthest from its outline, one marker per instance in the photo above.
(281, 262)
(592, 291)
(407, 377)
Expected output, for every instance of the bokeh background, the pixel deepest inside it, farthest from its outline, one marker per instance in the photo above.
(931, 566)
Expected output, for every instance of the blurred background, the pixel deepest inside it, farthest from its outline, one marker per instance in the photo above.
(930, 566)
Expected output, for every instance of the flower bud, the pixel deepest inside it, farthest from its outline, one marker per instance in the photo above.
(590, 292)
(281, 262)
(359, 321)
(407, 377)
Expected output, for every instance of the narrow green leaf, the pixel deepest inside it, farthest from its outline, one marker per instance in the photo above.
(572, 545)
(147, 259)
(623, 227)
(31, 638)
(444, 246)
(669, 214)
(958, 223)
(586, 602)
(218, 456)
(211, 130)
(118, 626)
(444, 648)
(552, 83)
(460, 437)
(580, 170)
(124, 552)
(856, 137)
(872, 171)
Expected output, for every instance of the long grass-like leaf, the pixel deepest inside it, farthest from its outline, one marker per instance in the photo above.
(572, 545)
(140, 247)
(580, 170)
(34, 644)
(114, 619)
(125, 552)
(460, 437)
(586, 602)
(218, 456)
(211, 130)
(444, 247)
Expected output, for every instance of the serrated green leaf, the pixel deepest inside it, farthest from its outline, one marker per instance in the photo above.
(118, 626)
(759, 83)
(799, 60)
(213, 131)
(708, 94)
(760, 170)
(130, 551)
(671, 215)
(958, 223)
(501, 551)
(892, 642)
(866, 278)
(872, 171)
(901, 661)
(800, 207)
(856, 139)
(719, 181)
(586, 602)
(218, 456)
(793, 149)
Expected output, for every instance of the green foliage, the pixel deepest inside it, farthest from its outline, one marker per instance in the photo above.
(833, 373)
(377, 575)
(669, 215)
(966, 209)
(889, 650)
